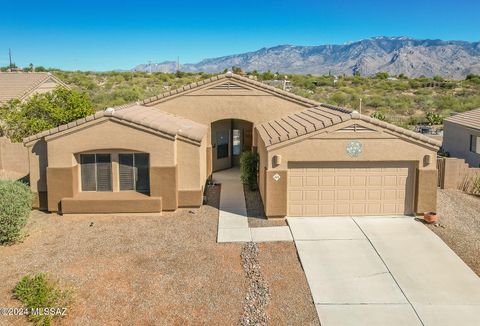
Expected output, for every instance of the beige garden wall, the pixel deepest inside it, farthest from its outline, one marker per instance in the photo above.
(13, 157)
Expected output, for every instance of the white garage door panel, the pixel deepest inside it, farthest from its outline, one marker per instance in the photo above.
(350, 190)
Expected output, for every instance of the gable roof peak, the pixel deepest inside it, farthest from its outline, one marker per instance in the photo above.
(233, 76)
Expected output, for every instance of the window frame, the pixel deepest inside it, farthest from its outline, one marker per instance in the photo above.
(96, 172)
(474, 143)
(135, 173)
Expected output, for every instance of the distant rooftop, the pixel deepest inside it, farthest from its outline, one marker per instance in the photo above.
(469, 119)
(17, 85)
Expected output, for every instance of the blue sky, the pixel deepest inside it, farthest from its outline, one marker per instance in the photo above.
(105, 35)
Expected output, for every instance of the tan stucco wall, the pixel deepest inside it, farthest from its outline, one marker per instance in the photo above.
(164, 184)
(61, 182)
(109, 135)
(330, 146)
(426, 191)
(191, 161)
(206, 106)
(456, 141)
(38, 161)
(262, 166)
(175, 164)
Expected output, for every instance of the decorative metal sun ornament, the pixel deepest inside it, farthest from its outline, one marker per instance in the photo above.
(354, 148)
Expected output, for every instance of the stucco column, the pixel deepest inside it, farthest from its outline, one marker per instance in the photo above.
(426, 191)
(276, 193)
(61, 183)
(164, 184)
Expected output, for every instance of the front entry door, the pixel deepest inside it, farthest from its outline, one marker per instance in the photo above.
(222, 153)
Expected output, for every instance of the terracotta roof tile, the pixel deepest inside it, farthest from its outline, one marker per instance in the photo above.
(312, 119)
(141, 115)
(17, 85)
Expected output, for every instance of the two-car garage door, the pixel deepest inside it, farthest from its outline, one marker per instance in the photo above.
(345, 188)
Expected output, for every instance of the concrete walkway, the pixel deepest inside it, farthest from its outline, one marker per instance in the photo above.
(384, 271)
(232, 217)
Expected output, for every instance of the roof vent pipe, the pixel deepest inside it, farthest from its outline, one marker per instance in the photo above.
(109, 111)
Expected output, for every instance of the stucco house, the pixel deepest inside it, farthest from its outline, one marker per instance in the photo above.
(461, 136)
(156, 155)
(22, 85)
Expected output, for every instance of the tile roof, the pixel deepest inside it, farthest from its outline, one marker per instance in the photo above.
(316, 118)
(149, 118)
(469, 119)
(231, 76)
(20, 84)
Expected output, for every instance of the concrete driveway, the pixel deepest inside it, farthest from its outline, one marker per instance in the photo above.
(384, 271)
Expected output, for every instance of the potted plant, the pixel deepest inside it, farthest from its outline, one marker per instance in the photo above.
(430, 217)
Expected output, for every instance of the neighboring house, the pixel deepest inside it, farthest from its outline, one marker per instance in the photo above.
(461, 136)
(156, 155)
(22, 85)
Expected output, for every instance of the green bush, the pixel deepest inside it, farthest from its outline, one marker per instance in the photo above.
(15, 207)
(41, 292)
(434, 118)
(378, 115)
(476, 184)
(249, 169)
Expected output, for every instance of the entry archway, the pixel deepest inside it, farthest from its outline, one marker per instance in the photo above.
(230, 138)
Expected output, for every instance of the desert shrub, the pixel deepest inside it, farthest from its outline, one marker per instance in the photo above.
(249, 169)
(375, 101)
(476, 184)
(434, 118)
(15, 207)
(339, 98)
(381, 75)
(378, 115)
(41, 292)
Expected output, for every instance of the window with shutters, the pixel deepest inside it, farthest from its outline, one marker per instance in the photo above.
(134, 174)
(475, 144)
(96, 172)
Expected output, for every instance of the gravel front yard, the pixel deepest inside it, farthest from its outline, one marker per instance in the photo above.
(165, 270)
(460, 216)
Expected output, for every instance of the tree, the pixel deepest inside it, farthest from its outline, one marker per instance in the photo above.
(43, 112)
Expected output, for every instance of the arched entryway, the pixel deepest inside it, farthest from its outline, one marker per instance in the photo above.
(230, 137)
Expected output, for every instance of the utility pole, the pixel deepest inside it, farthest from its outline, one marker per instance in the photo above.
(10, 57)
(178, 63)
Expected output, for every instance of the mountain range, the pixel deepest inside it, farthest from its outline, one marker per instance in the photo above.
(395, 55)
